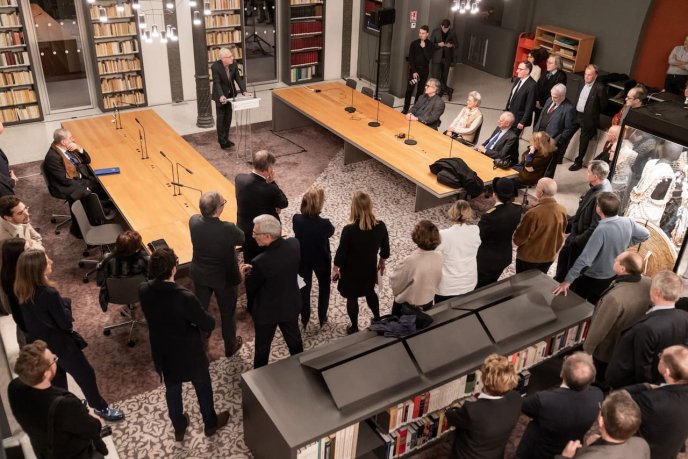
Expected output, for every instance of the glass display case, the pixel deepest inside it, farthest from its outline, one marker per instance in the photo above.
(650, 174)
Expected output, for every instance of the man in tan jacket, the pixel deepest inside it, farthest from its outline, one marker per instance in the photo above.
(16, 222)
(540, 234)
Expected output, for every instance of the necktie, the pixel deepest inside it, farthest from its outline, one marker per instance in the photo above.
(549, 75)
(493, 140)
(73, 160)
(551, 108)
(518, 86)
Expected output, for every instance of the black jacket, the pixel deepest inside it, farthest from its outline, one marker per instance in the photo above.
(56, 174)
(506, 146)
(419, 58)
(214, 261)
(175, 321)
(222, 85)
(273, 283)
(522, 103)
(7, 183)
(113, 266)
(561, 124)
(454, 172)
(558, 415)
(255, 197)
(596, 103)
(449, 55)
(314, 235)
(545, 85)
(356, 258)
(497, 227)
(586, 219)
(49, 317)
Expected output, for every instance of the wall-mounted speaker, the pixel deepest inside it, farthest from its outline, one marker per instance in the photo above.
(384, 16)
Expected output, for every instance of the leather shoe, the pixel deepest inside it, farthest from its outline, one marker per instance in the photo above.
(179, 435)
(576, 167)
(351, 330)
(222, 419)
(237, 345)
(404, 111)
(227, 145)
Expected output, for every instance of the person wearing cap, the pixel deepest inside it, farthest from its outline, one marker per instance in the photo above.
(497, 227)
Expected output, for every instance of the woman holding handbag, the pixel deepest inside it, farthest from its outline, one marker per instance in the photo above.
(48, 317)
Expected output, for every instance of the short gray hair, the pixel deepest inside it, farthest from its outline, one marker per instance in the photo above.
(668, 285)
(548, 186)
(510, 116)
(559, 89)
(476, 96)
(435, 82)
(578, 371)
(262, 160)
(225, 52)
(267, 224)
(599, 169)
(209, 203)
(60, 134)
(558, 62)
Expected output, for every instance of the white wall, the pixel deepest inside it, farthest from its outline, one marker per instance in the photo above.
(154, 55)
(184, 30)
(355, 34)
(333, 39)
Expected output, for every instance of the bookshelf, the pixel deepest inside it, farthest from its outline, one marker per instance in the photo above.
(304, 26)
(117, 50)
(224, 29)
(366, 380)
(19, 101)
(573, 47)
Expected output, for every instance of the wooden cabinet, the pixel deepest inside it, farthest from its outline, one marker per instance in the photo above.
(304, 29)
(525, 45)
(573, 47)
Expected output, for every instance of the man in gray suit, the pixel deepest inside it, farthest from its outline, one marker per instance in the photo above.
(558, 119)
(444, 56)
(429, 107)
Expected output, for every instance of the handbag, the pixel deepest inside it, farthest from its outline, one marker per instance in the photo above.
(502, 163)
(81, 343)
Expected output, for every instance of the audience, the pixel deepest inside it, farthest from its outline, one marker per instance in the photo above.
(313, 233)
(622, 304)
(503, 142)
(429, 106)
(636, 354)
(536, 159)
(561, 414)
(522, 97)
(48, 317)
(593, 270)
(497, 227)
(554, 75)
(469, 119)
(16, 222)
(609, 146)
(591, 101)
(483, 425)
(57, 423)
(618, 421)
(664, 408)
(459, 250)
(415, 280)
(444, 56)
(8, 179)
(128, 259)
(176, 322)
(11, 250)
(677, 73)
(540, 234)
(634, 99)
(356, 265)
(214, 267)
(558, 119)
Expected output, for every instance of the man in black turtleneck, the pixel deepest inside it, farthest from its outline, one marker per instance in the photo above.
(420, 54)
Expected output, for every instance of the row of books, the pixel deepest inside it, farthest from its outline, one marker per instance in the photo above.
(565, 52)
(16, 77)
(9, 19)
(306, 11)
(113, 48)
(304, 27)
(125, 98)
(547, 37)
(119, 65)
(14, 58)
(114, 29)
(133, 81)
(341, 445)
(223, 20)
(223, 37)
(225, 5)
(306, 42)
(303, 73)
(111, 11)
(414, 435)
(30, 112)
(304, 2)
(214, 53)
(8, 3)
(17, 97)
(12, 38)
(310, 57)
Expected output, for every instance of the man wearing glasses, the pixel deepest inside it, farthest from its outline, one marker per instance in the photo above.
(429, 107)
(522, 98)
(32, 397)
(16, 222)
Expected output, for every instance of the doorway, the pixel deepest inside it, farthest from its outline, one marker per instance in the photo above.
(260, 23)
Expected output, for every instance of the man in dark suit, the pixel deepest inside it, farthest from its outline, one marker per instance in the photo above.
(561, 414)
(272, 281)
(591, 100)
(257, 194)
(554, 75)
(521, 101)
(225, 73)
(503, 142)
(445, 55)
(175, 322)
(664, 408)
(428, 107)
(419, 56)
(214, 267)
(558, 119)
(8, 179)
(636, 355)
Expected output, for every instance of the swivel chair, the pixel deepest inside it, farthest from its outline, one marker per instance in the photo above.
(387, 99)
(55, 194)
(368, 91)
(94, 236)
(124, 291)
(350, 82)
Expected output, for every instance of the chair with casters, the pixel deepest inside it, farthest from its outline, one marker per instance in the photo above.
(124, 291)
(94, 210)
(350, 82)
(368, 91)
(99, 236)
(387, 99)
(65, 219)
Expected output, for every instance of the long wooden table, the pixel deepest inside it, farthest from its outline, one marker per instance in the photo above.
(142, 190)
(324, 104)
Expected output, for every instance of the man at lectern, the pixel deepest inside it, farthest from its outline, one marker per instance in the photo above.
(226, 73)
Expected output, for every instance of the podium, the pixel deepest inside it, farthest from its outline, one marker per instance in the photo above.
(241, 107)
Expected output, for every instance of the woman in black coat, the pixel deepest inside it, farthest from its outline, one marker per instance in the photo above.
(313, 233)
(356, 264)
(48, 317)
(11, 250)
(127, 260)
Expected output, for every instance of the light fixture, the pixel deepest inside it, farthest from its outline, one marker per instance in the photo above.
(163, 37)
(206, 8)
(169, 5)
(474, 8)
(173, 34)
(147, 36)
(91, 1)
(462, 7)
(192, 3)
(142, 21)
(119, 8)
(136, 5)
(154, 31)
(197, 18)
(102, 14)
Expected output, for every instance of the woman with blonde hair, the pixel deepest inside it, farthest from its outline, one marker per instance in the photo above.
(313, 233)
(468, 120)
(483, 425)
(459, 249)
(356, 263)
(536, 159)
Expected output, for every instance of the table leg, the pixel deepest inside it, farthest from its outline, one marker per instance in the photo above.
(426, 200)
(286, 117)
(353, 154)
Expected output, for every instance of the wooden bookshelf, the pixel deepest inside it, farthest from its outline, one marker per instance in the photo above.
(304, 32)
(19, 100)
(224, 29)
(573, 47)
(117, 49)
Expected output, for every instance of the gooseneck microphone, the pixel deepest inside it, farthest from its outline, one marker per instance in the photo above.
(143, 142)
(376, 123)
(174, 188)
(351, 107)
(186, 169)
(186, 186)
(409, 140)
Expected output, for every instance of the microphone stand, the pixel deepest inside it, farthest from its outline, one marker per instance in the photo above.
(181, 185)
(143, 142)
(409, 140)
(186, 169)
(351, 108)
(174, 188)
(451, 145)
(376, 123)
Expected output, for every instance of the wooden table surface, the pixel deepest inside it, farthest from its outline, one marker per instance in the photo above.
(142, 191)
(413, 161)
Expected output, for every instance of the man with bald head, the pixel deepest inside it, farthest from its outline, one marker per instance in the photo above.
(561, 414)
(621, 305)
(225, 74)
(540, 234)
(558, 119)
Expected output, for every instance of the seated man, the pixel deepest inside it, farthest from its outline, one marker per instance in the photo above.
(429, 107)
(66, 167)
(16, 222)
(503, 142)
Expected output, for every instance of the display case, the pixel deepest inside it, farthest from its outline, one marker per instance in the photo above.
(650, 174)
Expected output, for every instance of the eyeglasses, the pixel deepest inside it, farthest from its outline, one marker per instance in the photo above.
(224, 201)
(54, 361)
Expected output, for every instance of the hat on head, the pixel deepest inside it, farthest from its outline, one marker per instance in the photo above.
(504, 188)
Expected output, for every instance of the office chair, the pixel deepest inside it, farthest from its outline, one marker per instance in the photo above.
(368, 91)
(124, 291)
(477, 134)
(55, 194)
(387, 99)
(94, 210)
(94, 236)
(351, 83)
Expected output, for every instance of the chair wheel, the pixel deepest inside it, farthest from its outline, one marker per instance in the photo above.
(84, 279)
(85, 253)
(81, 264)
(57, 231)
(131, 343)
(53, 220)
(107, 332)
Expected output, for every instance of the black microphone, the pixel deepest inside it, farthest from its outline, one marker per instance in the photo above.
(409, 140)
(185, 168)
(174, 189)
(351, 108)
(376, 123)
(143, 142)
(186, 186)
